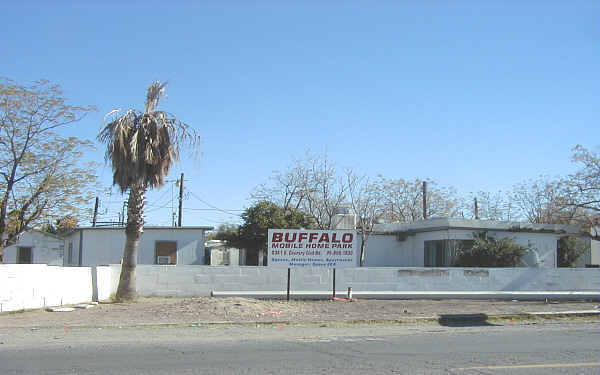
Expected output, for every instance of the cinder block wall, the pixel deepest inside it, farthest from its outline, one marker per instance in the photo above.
(34, 286)
(201, 280)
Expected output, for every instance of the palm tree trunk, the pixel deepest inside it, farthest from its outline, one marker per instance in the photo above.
(133, 232)
(362, 251)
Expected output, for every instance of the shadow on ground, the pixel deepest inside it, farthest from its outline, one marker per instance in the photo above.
(464, 320)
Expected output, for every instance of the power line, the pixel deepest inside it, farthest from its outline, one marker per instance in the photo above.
(214, 207)
(158, 208)
(159, 199)
(208, 209)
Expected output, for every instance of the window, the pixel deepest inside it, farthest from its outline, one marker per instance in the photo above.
(24, 255)
(441, 253)
(436, 253)
(166, 252)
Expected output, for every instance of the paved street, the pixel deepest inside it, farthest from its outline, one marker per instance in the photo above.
(542, 348)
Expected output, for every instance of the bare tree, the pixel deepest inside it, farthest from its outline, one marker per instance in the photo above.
(287, 189)
(312, 186)
(583, 187)
(402, 200)
(544, 201)
(490, 206)
(365, 199)
(41, 176)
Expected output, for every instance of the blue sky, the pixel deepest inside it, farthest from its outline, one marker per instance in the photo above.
(478, 95)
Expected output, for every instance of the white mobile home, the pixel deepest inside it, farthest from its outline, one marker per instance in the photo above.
(90, 246)
(36, 247)
(432, 243)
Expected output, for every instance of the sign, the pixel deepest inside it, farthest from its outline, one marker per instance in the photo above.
(291, 248)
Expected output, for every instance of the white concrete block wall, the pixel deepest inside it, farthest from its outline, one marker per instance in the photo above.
(36, 286)
(107, 281)
(32, 286)
(200, 280)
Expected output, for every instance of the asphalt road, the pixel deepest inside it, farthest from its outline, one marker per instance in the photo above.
(552, 348)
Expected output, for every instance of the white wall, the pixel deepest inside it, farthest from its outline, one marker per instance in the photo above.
(544, 243)
(9, 255)
(36, 286)
(32, 286)
(595, 252)
(200, 280)
(105, 280)
(45, 248)
(387, 250)
(105, 245)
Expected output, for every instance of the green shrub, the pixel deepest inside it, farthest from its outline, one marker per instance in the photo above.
(569, 249)
(490, 252)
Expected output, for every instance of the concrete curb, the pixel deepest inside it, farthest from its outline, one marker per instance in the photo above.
(441, 319)
(498, 295)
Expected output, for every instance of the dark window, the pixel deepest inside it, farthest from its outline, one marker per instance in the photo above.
(441, 253)
(166, 252)
(435, 253)
(24, 255)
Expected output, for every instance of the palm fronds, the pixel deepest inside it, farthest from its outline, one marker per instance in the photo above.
(142, 146)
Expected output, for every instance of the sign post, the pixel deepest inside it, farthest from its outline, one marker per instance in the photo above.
(305, 248)
(334, 283)
(288, 285)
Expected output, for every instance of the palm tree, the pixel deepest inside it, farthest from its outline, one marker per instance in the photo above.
(142, 146)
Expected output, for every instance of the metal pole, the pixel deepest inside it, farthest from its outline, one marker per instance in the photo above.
(95, 212)
(334, 283)
(288, 285)
(425, 200)
(180, 200)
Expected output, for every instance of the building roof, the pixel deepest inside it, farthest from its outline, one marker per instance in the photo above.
(437, 224)
(44, 233)
(148, 227)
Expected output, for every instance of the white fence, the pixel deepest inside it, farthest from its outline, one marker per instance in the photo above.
(34, 286)
(199, 280)
(37, 286)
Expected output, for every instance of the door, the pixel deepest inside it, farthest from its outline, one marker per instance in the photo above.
(24, 255)
(166, 252)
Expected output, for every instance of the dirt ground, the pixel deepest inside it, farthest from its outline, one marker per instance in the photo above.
(149, 311)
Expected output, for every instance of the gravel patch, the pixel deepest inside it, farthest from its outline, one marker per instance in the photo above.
(156, 310)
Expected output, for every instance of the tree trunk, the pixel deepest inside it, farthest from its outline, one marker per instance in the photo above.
(126, 290)
(362, 251)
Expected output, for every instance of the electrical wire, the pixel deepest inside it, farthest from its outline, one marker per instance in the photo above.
(208, 209)
(214, 207)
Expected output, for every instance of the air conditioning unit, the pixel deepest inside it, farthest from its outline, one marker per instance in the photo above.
(163, 259)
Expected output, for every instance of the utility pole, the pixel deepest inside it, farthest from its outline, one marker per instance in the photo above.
(424, 200)
(95, 212)
(476, 209)
(180, 200)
